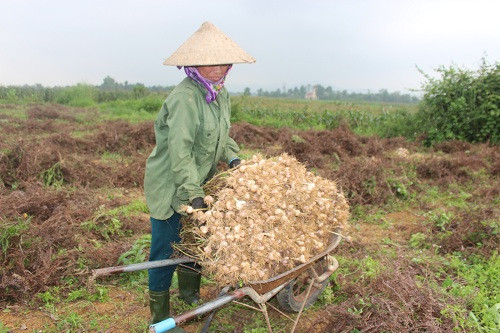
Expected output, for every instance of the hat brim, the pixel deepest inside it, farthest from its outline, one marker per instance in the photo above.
(208, 46)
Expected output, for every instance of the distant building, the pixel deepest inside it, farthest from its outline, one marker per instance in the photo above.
(312, 94)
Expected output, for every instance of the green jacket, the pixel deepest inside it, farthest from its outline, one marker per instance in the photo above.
(191, 137)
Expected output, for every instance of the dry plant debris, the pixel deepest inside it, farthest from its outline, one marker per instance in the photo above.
(264, 218)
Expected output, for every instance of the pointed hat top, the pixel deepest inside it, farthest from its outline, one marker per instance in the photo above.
(208, 46)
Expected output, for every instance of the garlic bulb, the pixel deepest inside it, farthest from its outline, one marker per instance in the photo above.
(264, 218)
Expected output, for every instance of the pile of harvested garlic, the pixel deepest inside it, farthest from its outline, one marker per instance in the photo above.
(265, 217)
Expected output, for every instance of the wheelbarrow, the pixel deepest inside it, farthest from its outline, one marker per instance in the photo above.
(295, 289)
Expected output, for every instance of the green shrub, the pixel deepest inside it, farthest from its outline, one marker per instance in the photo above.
(145, 108)
(106, 223)
(418, 241)
(53, 176)
(150, 103)
(440, 220)
(81, 95)
(138, 253)
(50, 296)
(462, 105)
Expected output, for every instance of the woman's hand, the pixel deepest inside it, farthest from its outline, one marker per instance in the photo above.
(234, 163)
(198, 203)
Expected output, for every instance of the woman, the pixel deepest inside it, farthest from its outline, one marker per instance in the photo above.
(192, 136)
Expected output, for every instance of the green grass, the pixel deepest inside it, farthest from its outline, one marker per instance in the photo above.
(246, 153)
(358, 270)
(108, 222)
(364, 118)
(454, 196)
(53, 177)
(133, 110)
(3, 328)
(111, 157)
(51, 296)
(477, 281)
(11, 230)
(17, 112)
(137, 253)
(439, 219)
(100, 294)
(105, 226)
(381, 119)
(71, 322)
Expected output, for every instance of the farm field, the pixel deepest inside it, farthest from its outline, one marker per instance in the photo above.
(423, 255)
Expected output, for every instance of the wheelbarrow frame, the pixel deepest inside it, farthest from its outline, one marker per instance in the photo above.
(260, 291)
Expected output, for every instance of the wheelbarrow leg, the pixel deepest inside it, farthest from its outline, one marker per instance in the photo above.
(263, 308)
(302, 307)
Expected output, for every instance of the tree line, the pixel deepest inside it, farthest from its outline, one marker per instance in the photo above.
(110, 90)
(322, 93)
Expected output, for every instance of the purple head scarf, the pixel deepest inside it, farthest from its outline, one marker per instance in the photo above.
(213, 88)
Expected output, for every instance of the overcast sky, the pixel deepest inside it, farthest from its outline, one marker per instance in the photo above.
(345, 44)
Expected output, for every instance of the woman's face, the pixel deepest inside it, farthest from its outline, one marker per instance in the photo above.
(213, 73)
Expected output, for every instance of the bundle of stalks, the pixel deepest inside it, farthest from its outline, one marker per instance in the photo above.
(264, 217)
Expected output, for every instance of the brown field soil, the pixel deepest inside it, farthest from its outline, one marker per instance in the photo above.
(61, 174)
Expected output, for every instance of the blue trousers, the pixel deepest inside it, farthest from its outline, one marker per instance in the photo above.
(163, 234)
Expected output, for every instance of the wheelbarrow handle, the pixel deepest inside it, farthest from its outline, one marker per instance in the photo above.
(170, 323)
(166, 324)
(140, 266)
(162, 326)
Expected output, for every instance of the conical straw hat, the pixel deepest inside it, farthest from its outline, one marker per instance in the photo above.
(208, 46)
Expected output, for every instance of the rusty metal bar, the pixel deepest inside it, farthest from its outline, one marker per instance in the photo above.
(258, 298)
(140, 266)
(333, 264)
(170, 323)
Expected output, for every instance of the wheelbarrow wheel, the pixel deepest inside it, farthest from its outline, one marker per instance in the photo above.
(292, 296)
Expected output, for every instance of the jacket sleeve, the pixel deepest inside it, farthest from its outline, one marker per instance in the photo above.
(183, 122)
(231, 149)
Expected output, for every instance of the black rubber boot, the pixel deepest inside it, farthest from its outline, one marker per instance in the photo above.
(189, 285)
(159, 304)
